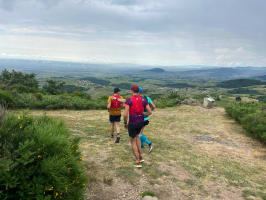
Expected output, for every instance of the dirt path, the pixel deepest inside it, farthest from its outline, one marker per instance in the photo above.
(199, 154)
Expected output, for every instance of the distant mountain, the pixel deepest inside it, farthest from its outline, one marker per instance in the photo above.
(263, 78)
(156, 70)
(224, 73)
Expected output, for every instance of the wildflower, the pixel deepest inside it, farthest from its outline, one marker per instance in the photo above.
(39, 156)
(20, 126)
(19, 117)
(81, 158)
(51, 188)
(56, 194)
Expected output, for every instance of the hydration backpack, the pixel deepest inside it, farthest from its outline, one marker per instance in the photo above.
(137, 107)
(116, 103)
(145, 97)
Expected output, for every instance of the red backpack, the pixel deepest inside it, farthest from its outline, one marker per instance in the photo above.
(116, 103)
(137, 107)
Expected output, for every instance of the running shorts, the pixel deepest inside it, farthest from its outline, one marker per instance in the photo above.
(114, 118)
(134, 129)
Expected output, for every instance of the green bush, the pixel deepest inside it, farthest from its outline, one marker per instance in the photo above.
(39, 160)
(252, 116)
(6, 98)
(53, 102)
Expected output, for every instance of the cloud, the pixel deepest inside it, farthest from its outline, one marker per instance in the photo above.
(184, 31)
(7, 5)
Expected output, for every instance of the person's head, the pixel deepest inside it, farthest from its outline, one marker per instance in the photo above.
(116, 90)
(135, 89)
(140, 90)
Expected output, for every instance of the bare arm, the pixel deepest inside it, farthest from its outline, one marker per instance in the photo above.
(125, 115)
(153, 106)
(119, 99)
(148, 108)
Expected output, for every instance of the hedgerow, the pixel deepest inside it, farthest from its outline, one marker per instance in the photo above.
(39, 160)
(252, 117)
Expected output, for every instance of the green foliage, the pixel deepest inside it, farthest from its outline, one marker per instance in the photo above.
(148, 193)
(261, 98)
(81, 94)
(53, 87)
(236, 83)
(72, 88)
(6, 98)
(18, 81)
(252, 116)
(243, 91)
(64, 101)
(39, 160)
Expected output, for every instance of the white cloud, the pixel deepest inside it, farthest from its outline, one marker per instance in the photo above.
(150, 32)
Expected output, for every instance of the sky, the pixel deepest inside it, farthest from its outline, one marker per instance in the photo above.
(139, 32)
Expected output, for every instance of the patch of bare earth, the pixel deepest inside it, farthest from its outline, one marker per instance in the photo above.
(199, 154)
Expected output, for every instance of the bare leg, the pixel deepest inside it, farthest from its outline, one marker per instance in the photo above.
(138, 145)
(112, 128)
(117, 126)
(134, 146)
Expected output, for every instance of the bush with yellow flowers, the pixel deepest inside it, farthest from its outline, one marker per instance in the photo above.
(39, 160)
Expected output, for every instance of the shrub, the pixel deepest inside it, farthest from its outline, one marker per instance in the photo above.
(39, 160)
(252, 116)
(6, 98)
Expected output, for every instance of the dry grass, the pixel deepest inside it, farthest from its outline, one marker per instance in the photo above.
(199, 154)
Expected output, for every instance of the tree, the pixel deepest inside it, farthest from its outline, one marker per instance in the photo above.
(53, 87)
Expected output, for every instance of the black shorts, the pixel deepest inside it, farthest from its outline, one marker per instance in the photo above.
(134, 130)
(114, 118)
(146, 122)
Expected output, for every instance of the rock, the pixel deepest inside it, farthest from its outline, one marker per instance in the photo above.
(149, 198)
(192, 102)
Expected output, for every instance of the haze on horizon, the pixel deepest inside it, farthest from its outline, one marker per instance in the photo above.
(147, 32)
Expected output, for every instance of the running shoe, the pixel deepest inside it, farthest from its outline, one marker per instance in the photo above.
(150, 147)
(117, 140)
(138, 164)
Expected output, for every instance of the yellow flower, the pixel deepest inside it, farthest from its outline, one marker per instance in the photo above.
(39, 156)
(19, 117)
(20, 126)
(51, 188)
(81, 158)
(56, 194)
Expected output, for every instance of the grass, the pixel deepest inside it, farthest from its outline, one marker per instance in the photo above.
(193, 169)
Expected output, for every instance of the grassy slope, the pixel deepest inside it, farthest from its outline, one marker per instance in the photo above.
(199, 154)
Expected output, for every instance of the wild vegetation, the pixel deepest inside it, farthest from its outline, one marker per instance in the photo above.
(39, 159)
(252, 116)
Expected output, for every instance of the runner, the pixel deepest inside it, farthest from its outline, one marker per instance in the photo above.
(134, 107)
(114, 109)
(142, 137)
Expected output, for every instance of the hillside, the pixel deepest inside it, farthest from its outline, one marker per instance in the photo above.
(199, 154)
(236, 83)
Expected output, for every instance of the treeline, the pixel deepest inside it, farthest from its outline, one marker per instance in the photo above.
(237, 83)
(21, 90)
(252, 116)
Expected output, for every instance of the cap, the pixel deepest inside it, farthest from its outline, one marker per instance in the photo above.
(116, 90)
(135, 88)
(140, 90)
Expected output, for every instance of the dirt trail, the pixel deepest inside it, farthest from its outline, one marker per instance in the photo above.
(199, 154)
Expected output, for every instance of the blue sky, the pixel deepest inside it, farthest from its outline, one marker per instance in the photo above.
(150, 32)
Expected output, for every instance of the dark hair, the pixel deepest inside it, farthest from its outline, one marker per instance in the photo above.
(135, 88)
(116, 90)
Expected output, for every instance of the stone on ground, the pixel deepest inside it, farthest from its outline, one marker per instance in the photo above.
(149, 198)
